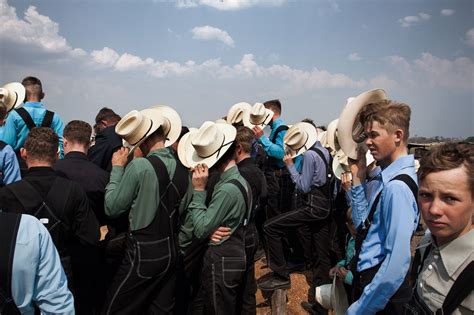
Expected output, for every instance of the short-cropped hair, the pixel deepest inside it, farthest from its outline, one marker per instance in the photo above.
(273, 105)
(41, 144)
(391, 115)
(107, 114)
(3, 111)
(78, 131)
(448, 156)
(245, 138)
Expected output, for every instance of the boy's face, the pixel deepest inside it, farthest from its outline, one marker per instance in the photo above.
(381, 143)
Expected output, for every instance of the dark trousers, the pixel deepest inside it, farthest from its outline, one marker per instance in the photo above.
(396, 302)
(280, 191)
(319, 222)
(223, 273)
(142, 286)
(246, 301)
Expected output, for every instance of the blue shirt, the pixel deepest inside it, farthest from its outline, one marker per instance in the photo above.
(38, 276)
(313, 173)
(388, 238)
(14, 131)
(9, 168)
(276, 150)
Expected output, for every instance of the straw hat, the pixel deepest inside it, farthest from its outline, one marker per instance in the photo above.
(340, 163)
(258, 116)
(349, 128)
(207, 145)
(331, 136)
(333, 296)
(183, 143)
(322, 136)
(12, 95)
(237, 112)
(299, 138)
(171, 121)
(135, 127)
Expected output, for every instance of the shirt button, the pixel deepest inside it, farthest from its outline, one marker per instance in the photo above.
(435, 256)
(421, 285)
(430, 267)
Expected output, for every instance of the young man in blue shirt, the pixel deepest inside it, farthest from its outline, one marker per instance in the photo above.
(381, 265)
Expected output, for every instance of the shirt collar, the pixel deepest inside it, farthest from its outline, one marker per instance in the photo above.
(456, 252)
(75, 155)
(395, 168)
(39, 171)
(229, 173)
(34, 104)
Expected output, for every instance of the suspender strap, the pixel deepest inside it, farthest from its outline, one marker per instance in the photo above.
(321, 155)
(48, 119)
(277, 131)
(161, 173)
(2, 145)
(26, 117)
(461, 288)
(247, 197)
(9, 224)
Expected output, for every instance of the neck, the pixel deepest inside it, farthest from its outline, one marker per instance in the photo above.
(156, 146)
(225, 167)
(33, 99)
(76, 148)
(398, 153)
(37, 163)
(242, 156)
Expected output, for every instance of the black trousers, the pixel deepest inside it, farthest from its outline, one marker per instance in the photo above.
(280, 191)
(223, 273)
(396, 302)
(142, 284)
(246, 301)
(318, 220)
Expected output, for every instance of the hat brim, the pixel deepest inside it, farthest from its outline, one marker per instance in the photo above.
(268, 119)
(312, 138)
(183, 143)
(192, 157)
(323, 295)
(331, 135)
(347, 120)
(242, 107)
(171, 119)
(19, 92)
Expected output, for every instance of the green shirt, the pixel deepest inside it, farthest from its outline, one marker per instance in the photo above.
(226, 208)
(135, 188)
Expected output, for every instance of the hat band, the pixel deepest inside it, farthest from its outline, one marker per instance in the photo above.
(144, 135)
(218, 151)
(304, 143)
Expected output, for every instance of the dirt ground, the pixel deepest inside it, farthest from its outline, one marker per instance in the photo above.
(299, 288)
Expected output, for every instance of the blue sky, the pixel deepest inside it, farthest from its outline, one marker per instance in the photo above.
(202, 56)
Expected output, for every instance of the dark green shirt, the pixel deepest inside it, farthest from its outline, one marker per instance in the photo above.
(226, 208)
(136, 188)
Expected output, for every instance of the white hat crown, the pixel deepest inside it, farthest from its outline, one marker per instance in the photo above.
(136, 127)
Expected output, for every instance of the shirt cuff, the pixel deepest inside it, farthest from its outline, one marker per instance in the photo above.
(199, 196)
(292, 169)
(117, 173)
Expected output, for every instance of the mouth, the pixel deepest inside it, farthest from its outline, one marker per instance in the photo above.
(436, 224)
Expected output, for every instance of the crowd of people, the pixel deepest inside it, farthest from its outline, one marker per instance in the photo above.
(142, 215)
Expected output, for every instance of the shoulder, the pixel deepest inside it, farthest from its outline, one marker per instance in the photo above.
(7, 151)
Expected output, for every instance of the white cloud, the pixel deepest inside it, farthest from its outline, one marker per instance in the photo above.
(447, 12)
(227, 5)
(212, 33)
(354, 57)
(410, 20)
(35, 29)
(469, 40)
(106, 56)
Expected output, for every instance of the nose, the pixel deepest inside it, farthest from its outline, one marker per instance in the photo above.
(436, 207)
(368, 141)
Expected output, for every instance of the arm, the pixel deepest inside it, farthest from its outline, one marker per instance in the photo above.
(304, 180)
(360, 205)
(51, 292)
(8, 131)
(58, 129)
(398, 220)
(274, 150)
(11, 169)
(86, 226)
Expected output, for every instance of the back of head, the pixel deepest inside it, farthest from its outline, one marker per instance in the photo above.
(33, 87)
(108, 115)
(245, 138)
(274, 106)
(78, 131)
(3, 112)
(448, 156)
(389, 114)
(42, 145)
(309, 121)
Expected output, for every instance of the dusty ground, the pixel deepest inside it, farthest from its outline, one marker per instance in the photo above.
(299, 288)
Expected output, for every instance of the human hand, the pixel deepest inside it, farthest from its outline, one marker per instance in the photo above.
(333, 271)
(288, 159)
(346, 181)
(219, 234)
(120, 157)
(342, 272)
(257, 131)
(200, 177)
(358, 167)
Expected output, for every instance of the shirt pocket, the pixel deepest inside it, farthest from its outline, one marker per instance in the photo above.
(233, 269)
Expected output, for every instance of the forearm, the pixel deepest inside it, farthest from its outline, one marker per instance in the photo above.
(359, 204)
(273, 150)
(116, 200)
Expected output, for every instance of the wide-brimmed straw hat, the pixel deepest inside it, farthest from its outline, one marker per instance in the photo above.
(171, 121)
(135, 127)
(258, 116)
(331, 136)
(185, 141)
(237, 112)
(340, 162)
(350, 130)
(207, 145)
(12, 95)
(333, 296)
(300, 138)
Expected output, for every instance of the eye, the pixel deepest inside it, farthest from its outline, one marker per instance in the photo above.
(450, 199)
(424, 195)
